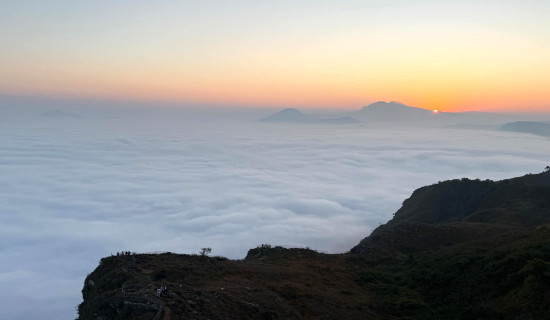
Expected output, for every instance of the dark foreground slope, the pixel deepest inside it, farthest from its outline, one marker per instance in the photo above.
(458, 249)
(277, 284)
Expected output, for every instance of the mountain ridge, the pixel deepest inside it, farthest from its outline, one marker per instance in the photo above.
(379, 111)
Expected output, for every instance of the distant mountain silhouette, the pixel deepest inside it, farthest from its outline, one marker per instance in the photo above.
(533, 127)
(398, 114)
(288, 115)
(393, 111)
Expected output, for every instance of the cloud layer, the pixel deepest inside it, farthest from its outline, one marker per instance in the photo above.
(76, 189)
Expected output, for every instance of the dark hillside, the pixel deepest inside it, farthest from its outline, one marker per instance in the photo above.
(501, 276)
(462, 200)
(275, 283)
(459, 249)
(464, 249)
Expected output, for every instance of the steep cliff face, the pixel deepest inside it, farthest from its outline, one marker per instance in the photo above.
(457, 249)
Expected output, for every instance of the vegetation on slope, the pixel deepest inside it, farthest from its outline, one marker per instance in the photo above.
(276, 284)
(456, 250)
(495, 277)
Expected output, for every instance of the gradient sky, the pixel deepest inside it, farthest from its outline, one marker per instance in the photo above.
(449, 55)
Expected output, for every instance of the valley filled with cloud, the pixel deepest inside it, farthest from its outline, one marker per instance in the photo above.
(78, 188)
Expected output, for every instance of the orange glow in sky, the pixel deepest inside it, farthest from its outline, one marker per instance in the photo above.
(453, 56)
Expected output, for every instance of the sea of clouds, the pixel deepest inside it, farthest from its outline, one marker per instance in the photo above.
(75, 189)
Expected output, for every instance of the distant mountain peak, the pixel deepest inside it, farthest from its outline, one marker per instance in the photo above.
(291, 110)
(392, 112)
(380, 104)
(384, 104)
(376, 105)
(397, 102)
(287, 115)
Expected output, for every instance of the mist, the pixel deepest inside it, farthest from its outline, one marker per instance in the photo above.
(82, 182)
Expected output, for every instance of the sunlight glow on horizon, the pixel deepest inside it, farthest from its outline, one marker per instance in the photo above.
(456, 57)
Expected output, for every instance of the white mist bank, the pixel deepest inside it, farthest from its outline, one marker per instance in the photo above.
(75, 189)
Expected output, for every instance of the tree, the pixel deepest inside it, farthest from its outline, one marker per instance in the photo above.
(205, 251)
(547, 168)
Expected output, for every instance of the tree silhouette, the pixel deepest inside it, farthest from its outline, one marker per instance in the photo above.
(547, 168)
(205, 251)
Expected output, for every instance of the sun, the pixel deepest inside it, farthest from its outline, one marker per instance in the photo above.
(435, 111)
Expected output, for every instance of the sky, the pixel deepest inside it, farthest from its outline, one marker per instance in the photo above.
(445, 55)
